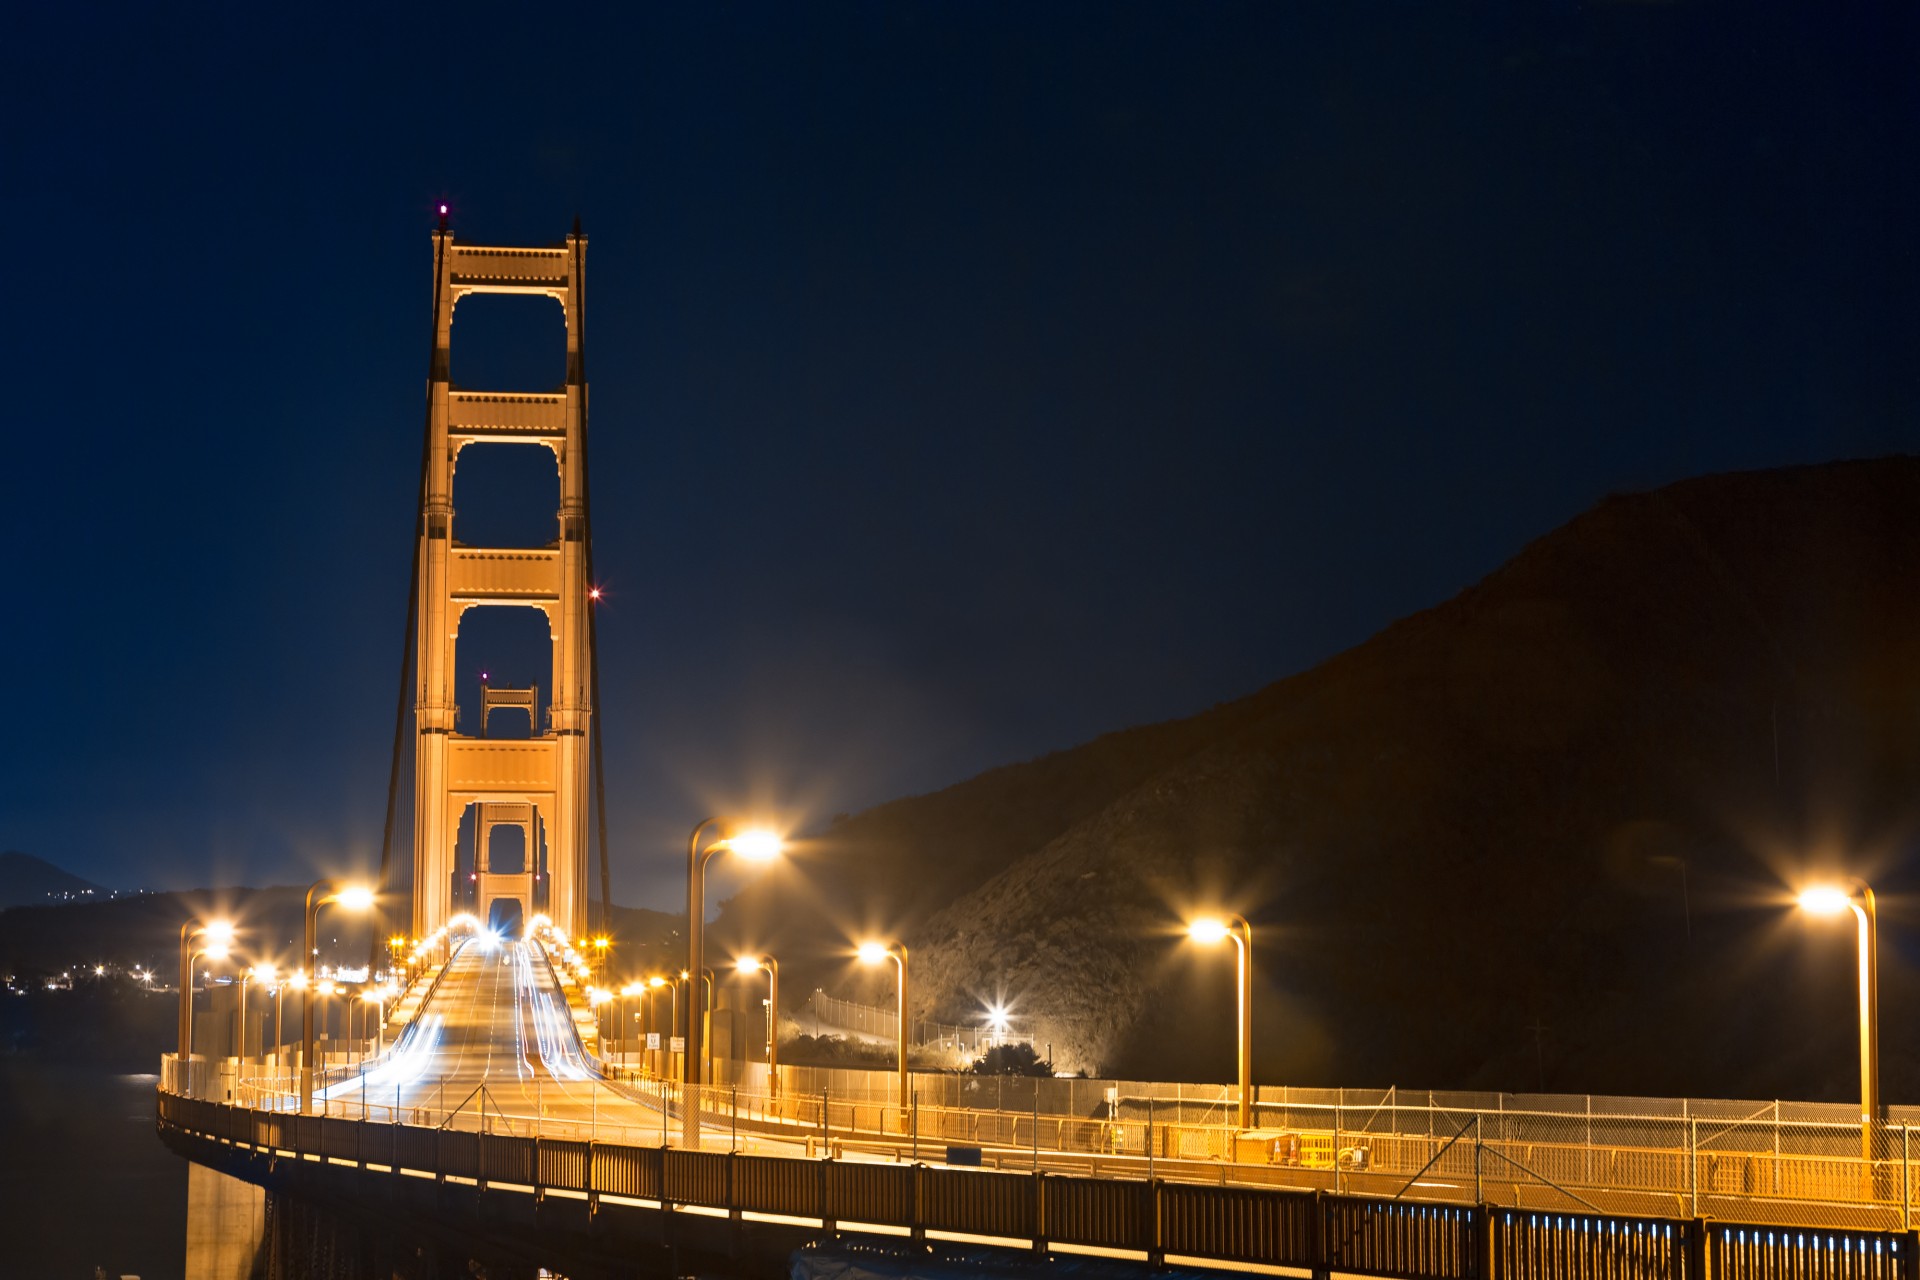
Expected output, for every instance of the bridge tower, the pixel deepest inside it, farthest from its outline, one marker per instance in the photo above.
(540, 782)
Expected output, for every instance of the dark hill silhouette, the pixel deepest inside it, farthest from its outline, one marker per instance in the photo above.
(29, 881)
(1537, 836)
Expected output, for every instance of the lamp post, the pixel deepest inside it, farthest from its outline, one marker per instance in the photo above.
(219, 935)
(301, 983)
(277, 991)
(353, 898)
(1211, 929)
(654, 984)
(322, 990)
(880, 953)
(1830, 900)
(624, 1028)
(597, 997)
(240, 1041)
(378, 999)
(755, 846)
(396, 958)
(753, 964)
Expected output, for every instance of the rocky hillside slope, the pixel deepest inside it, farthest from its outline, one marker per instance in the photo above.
(1539, 836)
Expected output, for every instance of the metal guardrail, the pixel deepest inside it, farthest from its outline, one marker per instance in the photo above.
(1404, 1240)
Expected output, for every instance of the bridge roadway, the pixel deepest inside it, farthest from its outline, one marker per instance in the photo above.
(494, 1046)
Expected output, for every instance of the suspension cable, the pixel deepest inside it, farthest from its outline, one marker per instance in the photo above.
(413, 601)
(593, 609)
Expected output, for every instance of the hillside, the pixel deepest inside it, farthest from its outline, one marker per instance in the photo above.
(29, 881)
(1537, 836)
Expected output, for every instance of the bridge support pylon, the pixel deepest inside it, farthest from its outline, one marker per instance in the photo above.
(547, 772)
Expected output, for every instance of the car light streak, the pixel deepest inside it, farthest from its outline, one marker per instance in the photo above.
(409, 1060)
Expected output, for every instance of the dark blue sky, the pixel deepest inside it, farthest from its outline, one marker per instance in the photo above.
(968, 379)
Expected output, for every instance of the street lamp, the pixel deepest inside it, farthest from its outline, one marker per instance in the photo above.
(753, 964)
(378, 999)
(880, 953)
(396, 948)
(754, 846)
(638, 987)
(247, 975)
(1210, 930)
(270, 977)
(298, 981)
(321, 892)
(597, 996)
(654, 984)
(219, 936)
(1831, 900)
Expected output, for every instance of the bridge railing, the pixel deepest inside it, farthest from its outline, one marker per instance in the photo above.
(1799, 1173)
(1162, 1219)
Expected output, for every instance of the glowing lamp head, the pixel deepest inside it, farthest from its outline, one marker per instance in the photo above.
(355, 897)
(217, 932)
(327, 988)
(443, 211)
(997, 1017)
(218, 951)
(656, 982)
(375, 996)
(873, 953)
(1208, 929)
(747, 964)
(594, 594)
(264, 973)
(757, 845)
(298, 981)
(1825, 900)
(602, 943)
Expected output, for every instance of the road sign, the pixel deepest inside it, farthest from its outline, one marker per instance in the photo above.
(653, 1041)
(679, 1044)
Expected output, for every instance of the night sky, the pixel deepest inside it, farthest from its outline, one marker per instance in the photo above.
(968, 380)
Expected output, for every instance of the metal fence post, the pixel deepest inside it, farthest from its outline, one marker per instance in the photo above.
(1479, 1195)
(1036, 1128)
(1693, 1168)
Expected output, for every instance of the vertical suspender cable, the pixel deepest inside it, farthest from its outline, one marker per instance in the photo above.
(593, 606)
(413, 595)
